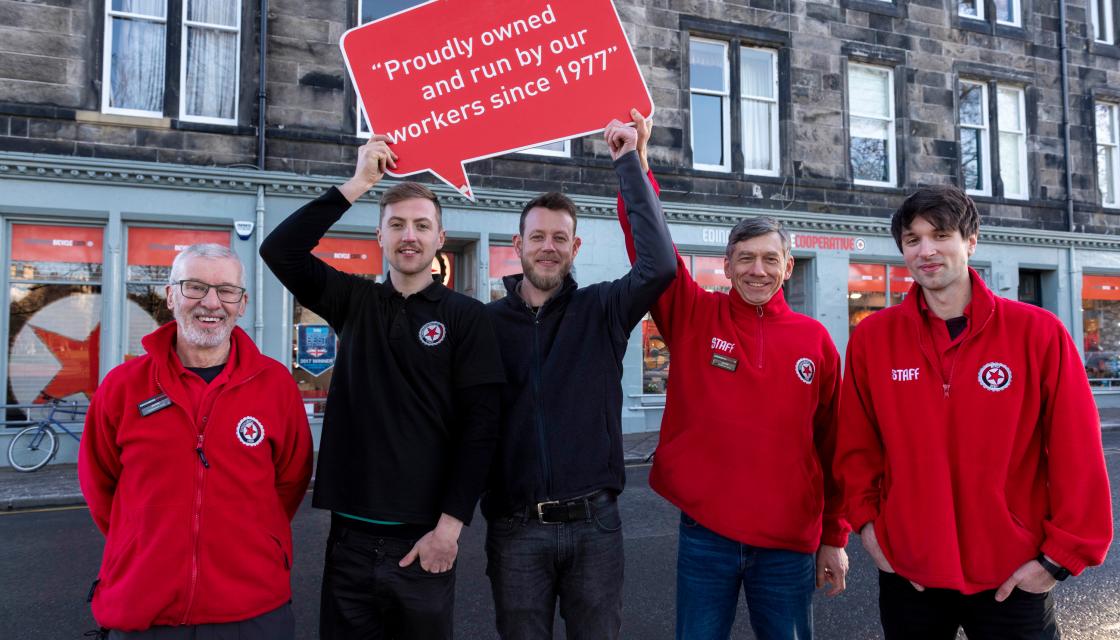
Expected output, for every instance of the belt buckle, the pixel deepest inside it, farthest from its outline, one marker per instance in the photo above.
(540, 510)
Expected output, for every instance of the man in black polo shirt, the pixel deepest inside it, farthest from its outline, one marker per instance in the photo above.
(411, 418)
(553, 525)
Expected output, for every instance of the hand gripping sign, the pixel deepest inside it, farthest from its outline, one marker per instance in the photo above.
(451, 81)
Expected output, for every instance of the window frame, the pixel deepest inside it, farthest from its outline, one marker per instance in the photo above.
(775, 117)
(108, 13)
(986, 139)
(725, 107)
(1114, 108)
(184, 46)
(892, 129)
(979, 4)
(1017, 11)
(551, 153)
(1107, 21)
(1024, 176)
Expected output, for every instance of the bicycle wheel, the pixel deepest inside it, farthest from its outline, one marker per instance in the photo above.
(32, 448)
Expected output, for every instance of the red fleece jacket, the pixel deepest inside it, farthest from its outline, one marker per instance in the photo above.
(746, 453)
(188, 543)
(967, 482)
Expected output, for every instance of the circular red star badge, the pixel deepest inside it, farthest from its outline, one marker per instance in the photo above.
(432, 333)
(250, 431)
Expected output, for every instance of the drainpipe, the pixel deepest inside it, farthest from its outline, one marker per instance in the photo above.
(1064, 48)
(258, 269)
(262, 75)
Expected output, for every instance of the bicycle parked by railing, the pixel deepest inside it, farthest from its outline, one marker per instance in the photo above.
(34, 446)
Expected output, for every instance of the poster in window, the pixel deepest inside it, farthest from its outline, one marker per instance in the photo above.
(316, 349)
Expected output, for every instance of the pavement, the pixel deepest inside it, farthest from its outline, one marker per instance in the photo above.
(57, 484)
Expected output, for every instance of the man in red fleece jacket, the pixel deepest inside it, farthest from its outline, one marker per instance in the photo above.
(194, 459)
(746, 441)
(970, 448)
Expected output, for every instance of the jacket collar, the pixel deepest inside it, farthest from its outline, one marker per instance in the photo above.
(983, 302)
(245, 356)
(512, 283)
(773, 307)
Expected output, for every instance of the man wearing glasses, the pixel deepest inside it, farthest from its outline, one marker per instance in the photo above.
(194, 460)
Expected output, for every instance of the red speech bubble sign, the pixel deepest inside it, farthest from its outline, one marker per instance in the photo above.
(452, 81)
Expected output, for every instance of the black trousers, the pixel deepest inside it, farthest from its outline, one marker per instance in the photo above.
(367, 596)
(935, 614)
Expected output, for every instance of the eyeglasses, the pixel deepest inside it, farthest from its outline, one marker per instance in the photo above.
(196, 290)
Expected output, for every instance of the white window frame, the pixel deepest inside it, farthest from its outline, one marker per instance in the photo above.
(979, 4)
(725, 101)
(1097, 20)
(1113, 148)
(183, 66)
(552, 153)
(1022, 191)
(1016, 11)
(985, 138)
(892, 157)
(107, 59)
(775, 147)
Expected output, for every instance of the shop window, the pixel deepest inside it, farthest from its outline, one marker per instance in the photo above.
(707, 271)
(443, 268)
(1100, 315)
(872, 287)
(314, 344)
(54, 312)
(151, 250)
(503, 262)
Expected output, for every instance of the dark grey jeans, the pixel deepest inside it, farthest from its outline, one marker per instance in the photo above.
(531, 565)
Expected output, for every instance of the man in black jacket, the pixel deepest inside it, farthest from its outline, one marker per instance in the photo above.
(411, 419)
(553, 525)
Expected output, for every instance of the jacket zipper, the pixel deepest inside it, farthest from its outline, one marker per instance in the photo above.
(546, 463)
(203, 465)
(196, 526)
(760, 315)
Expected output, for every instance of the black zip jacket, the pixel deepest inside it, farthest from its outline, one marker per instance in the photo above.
(561, 434)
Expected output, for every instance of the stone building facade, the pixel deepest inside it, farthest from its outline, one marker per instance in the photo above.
(823, 113)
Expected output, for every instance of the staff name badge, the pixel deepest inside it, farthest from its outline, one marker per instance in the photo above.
(724, 362)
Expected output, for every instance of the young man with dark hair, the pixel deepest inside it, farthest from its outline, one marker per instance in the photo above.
(746, 442)
(554, 531)
(970, 448)
(411, 415)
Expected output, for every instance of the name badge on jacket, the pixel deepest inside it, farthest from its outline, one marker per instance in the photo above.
(724, 362)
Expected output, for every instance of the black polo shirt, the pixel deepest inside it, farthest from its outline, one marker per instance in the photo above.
(402, 441)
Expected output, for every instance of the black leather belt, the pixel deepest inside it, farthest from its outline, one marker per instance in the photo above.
(561, 511)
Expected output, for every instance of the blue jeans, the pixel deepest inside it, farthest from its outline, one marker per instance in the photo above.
(532, 565)
(778, 585)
